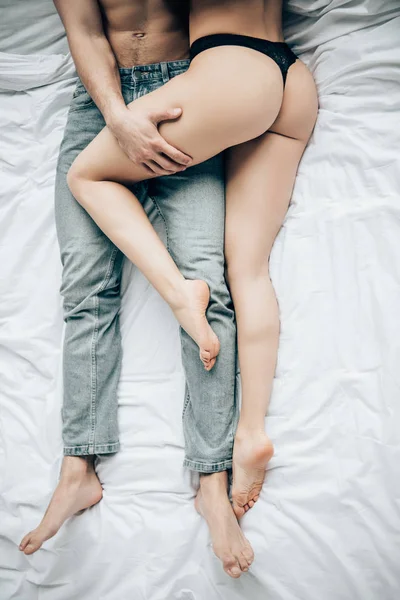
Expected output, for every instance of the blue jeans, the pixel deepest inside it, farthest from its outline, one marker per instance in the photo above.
(192, 207)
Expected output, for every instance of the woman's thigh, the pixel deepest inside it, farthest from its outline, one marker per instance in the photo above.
(226, 98)
(261, 174)
(260, 178)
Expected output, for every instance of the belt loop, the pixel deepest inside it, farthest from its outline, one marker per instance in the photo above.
(165, 72)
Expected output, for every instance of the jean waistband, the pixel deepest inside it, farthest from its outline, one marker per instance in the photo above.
(158, 71)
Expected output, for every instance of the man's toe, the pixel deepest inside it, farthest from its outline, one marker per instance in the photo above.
(231, 566)
(244, 565)
(248, 554)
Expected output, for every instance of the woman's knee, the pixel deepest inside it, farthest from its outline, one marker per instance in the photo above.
(78, 177)
(74, 180)
(240, 269)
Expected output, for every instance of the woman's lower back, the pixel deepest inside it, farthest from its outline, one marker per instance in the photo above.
(256, 18)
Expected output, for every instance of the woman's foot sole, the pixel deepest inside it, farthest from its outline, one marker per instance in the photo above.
(192, 318)
(251, 454)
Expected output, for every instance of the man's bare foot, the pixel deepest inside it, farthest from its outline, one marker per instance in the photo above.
(191, 315)
(251, 453)
(228, 541)
(78, 488)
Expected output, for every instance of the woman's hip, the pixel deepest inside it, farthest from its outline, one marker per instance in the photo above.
(228, 96)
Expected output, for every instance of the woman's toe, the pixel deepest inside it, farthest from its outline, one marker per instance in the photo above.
(238, 510)
(211, 364)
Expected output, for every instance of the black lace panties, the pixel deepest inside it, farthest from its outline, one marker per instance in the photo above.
(278, 51)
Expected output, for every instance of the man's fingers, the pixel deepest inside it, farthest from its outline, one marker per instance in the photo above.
(148, 169)
(175, 155)
(155, 168)
(165, 115)
(161, 165)
(167, 164)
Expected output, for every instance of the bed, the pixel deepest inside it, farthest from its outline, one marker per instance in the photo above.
(328, 522)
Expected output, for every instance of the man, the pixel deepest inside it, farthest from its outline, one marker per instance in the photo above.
(106, 39)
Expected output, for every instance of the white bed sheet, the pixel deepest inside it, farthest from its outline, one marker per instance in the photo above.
(328, 522)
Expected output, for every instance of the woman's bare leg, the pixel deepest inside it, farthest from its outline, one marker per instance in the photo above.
(206, 110)
(260, 179)
(93, 176)
(120, 215)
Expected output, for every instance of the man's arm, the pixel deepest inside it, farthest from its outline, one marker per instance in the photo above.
(137, 133)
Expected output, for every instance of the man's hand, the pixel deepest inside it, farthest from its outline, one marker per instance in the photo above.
(137, 134)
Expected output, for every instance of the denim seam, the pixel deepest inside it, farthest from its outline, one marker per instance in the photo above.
(94, 373)
(187, 400)
(233, 420)
(161, 216)
(94, 346)
(201, 467)
(234, 415)
(86, 449)
(164, 72)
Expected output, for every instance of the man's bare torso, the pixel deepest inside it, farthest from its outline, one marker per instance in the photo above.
(145, 32)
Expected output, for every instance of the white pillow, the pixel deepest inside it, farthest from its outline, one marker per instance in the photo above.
(31, 27)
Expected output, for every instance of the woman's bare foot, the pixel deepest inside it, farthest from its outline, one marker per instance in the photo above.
(251, 453)
(228, 541)
(78, 488)
(191, 314)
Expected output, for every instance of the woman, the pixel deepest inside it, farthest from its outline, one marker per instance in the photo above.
(245, 91)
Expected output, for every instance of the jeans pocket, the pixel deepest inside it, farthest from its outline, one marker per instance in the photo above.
(80, 98)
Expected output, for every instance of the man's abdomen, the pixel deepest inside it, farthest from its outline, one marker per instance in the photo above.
(146, 32)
